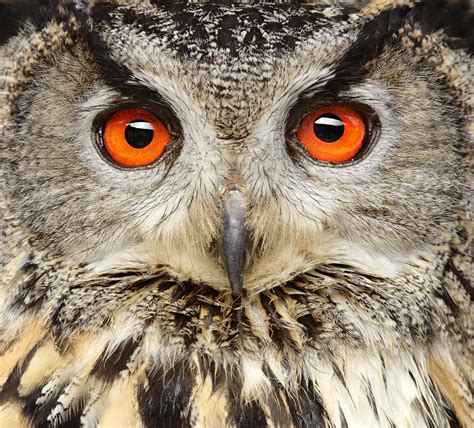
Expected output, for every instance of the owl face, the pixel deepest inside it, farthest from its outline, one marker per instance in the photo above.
(232, 87)
(234, 214)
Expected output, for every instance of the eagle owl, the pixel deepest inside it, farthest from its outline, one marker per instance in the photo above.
(235, 214)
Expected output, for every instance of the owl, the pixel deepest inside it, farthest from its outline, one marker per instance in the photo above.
(236, 214)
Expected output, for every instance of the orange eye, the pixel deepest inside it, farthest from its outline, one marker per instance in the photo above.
(135, 137)
(332, 134)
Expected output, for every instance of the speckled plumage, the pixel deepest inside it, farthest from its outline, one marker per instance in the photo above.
(114, 306)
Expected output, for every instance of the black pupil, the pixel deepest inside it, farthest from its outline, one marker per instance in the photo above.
(139, 133)
(328, 127)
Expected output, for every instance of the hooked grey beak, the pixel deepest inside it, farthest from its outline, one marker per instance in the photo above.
(234, 239)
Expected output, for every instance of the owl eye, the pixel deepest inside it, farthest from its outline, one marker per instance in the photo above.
(134, 137)
(332, 134)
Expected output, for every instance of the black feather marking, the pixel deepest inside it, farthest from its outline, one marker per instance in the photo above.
(165, 401)
(373, 38)
(182, 290)
(10, 387)
(307, 409)
(390, 423)
(340, 375)
(312, 326)
(274, 331)
(207, 367)
(444, 295)
(119, 77)
(14, 14)
(30, 295)
(258, 22)
(74, 421)
(243, 415)
(109, 366)
(235, 322)
(252, 415)
(38, 413)
(455, 18)
(279, 331)
(279, 415)
(463, 280)
(452, 419)
(371, 398)
(352, 69)
(226, 38)
(114, 74)
(382, 31)
(344, 423)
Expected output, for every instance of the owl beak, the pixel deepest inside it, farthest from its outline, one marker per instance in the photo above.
(234, 239)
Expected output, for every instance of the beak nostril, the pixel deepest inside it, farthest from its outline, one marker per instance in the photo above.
(234, 239)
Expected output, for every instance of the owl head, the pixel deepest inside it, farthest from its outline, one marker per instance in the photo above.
(249, 142)
(218, 179)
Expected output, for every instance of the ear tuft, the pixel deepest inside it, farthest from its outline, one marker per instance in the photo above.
(14, 14)
(454, 17)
